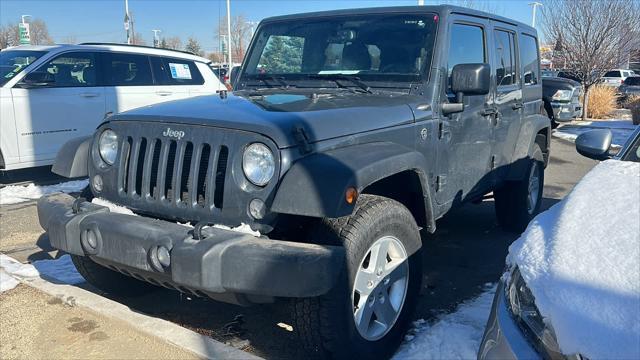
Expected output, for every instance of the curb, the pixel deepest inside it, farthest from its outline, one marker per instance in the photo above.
(200, 345)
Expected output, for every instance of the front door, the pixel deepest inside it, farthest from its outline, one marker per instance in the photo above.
(465, 139)
(72, 105)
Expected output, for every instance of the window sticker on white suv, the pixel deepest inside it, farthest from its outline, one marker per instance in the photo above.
(180, 71)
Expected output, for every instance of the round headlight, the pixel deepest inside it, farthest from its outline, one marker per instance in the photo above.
(258, 164)
(108, 146)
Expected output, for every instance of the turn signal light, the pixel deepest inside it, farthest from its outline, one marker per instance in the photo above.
(351, 195)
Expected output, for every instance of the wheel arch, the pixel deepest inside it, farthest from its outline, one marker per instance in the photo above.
(534, 128)
(315, 185)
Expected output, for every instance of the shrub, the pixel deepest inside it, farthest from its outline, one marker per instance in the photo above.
(633, 104)
(602, 101)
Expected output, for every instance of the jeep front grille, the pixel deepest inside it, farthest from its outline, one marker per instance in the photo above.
(173, 172)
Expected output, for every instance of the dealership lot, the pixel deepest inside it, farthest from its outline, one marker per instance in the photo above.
(460, 261)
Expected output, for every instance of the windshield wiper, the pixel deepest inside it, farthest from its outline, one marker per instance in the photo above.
(337, 78)
(265, 79)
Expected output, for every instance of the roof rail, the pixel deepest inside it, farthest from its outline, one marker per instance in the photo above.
(138, 46)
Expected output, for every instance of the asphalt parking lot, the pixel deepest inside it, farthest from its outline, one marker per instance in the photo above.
(466, 252)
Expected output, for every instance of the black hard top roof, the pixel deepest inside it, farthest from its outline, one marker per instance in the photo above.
(438, 9)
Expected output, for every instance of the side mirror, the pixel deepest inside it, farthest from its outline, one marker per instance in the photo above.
(594, 144)
(468, 79)
(37, 79)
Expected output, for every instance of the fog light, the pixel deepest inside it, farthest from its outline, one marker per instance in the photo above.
(159, 258)
(97, 183)
(257, 208)
(163, 256)
(92, 239)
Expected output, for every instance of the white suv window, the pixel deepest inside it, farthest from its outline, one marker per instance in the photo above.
(76, 69)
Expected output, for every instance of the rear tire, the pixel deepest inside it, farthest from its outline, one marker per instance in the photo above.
(327, 325)
(517, 202)
(110, 281)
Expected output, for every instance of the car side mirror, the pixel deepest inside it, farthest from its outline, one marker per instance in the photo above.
(37, 79)
(468, 79)
(595, 144)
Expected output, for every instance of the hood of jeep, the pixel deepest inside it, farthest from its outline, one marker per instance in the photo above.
(322, 115)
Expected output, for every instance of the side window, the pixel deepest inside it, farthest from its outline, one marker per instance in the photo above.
(529, 59)
(505, 55)
(466, 46)
(171, 71)
(282, 55)
(127, 70)
(72, 69)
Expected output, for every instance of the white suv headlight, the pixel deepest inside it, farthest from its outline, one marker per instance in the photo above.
(108, 146)
(258, 164)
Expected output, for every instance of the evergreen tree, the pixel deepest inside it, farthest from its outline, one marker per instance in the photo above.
(193, 46)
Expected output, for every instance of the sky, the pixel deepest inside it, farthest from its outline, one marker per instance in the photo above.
(102, 20)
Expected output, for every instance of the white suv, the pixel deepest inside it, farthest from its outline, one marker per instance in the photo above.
(50, 94)
(616, 77)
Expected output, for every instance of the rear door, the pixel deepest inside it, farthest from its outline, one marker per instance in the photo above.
(179, 78)
(129, 82)
(465, 139)
(508, 98)
(73, 105)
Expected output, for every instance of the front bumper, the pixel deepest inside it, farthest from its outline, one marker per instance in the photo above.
(563, 111)
(221, 264)
(502, 337)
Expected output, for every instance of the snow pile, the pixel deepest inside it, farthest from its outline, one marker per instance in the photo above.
(620, 129)
(453, 336)
(16, 194)
(62, 270)
(581, 260)
(115, 208)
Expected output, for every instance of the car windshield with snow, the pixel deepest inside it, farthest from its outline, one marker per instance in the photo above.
(347, 133)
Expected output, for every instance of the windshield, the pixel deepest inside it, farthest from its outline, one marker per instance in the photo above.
(370, 47)
(12, 62)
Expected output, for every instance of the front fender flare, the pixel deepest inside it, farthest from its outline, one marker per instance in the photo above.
(315, 185)
(72, 159)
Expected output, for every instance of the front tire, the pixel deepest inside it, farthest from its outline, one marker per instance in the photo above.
(110, 281)
(367, 313)
(517, 202)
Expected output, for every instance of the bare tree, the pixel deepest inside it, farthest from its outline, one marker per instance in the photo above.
(240, 35)
(173, 43)
(138, 39)
(593, 36)
(70, 39)
(38, 32)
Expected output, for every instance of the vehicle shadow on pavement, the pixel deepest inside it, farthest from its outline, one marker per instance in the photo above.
(459, 260)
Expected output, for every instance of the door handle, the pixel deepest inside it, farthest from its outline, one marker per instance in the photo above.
(489, 111)
(164, 93)
(89, 94)
(517, 105)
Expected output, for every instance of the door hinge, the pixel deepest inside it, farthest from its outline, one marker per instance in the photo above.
(493, 162)
(443, 129)
(441, 181)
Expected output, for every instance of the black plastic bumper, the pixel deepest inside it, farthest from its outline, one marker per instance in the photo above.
(223, 262)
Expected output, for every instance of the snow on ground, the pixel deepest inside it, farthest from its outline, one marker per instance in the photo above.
(456, 335)
(16, 194)
(581, 260)
(621, 129)
(60, 270)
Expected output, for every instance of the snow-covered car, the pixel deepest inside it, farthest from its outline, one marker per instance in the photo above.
(572, 289)
(51, 94)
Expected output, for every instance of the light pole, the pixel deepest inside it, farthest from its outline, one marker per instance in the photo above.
(156, 38)
(127, 21)
(229, 38)
(535, 5)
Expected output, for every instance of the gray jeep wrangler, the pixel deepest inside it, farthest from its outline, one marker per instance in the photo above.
(348, 132)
